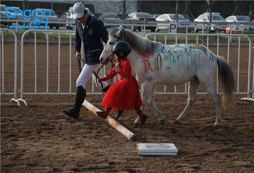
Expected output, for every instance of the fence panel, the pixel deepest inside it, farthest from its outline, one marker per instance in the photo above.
(55, 68)
(6, 73)
(55, 71)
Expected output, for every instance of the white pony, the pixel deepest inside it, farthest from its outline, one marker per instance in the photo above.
(172, 65)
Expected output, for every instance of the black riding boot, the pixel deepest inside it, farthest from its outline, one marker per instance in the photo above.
(80, 96)
(119, 112)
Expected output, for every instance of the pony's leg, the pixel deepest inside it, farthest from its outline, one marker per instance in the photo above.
(146, 90)
(155, 109)
(192, 89)
(211, 91)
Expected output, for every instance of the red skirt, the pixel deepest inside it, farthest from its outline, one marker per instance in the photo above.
(123, 95)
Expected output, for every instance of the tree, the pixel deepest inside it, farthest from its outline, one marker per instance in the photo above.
(251, 15)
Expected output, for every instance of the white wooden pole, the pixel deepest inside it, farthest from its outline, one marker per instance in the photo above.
(120, 128)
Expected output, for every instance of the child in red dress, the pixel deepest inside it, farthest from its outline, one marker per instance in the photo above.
(124, 94)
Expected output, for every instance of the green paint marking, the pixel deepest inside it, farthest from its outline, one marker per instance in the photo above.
(186, 57)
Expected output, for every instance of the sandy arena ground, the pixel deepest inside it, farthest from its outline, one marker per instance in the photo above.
(40, 138)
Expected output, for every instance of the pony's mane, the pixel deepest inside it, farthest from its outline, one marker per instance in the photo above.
(140, 44)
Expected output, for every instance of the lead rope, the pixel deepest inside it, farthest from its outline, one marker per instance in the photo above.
(112, 65)
(96, 75)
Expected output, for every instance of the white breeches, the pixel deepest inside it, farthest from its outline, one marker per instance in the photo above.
(87, 72)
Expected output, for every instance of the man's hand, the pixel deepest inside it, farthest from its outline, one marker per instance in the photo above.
(78, 55)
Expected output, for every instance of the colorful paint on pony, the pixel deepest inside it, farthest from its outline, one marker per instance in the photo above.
(146, 62)
(197, 46)
(212, 57)
(175, 54)
(168, 55)
(177, 46)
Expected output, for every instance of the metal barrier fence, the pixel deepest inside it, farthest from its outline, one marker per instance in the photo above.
(248, 91)
(48, 57)
(47, 63)
(15, 67)
(70, 79)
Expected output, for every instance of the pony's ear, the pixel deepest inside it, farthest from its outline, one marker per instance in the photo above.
(118, 33)
(120, 27)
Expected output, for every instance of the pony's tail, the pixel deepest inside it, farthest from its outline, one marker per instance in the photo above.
(227, 79)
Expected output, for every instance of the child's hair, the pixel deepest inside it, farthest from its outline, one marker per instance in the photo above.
(123, 56)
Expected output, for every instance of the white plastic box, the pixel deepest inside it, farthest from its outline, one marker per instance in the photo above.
(157, 149)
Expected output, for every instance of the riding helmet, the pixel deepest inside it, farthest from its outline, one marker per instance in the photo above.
(123, 47)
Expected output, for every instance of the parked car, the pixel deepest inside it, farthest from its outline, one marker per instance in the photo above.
(140, 16)
(187, 17)
(3, 15)
(71, 23)
(155, 15)
(52, 20)
(169, 18)
(63, 15)
(236, 19)
(20, 14)
(216, 17)
(2, 8)
(10, 12)
(109, 16)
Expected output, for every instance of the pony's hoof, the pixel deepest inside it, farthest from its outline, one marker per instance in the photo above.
(136, 124)
(177, 121)
(162, 122)
(217, 125)
(116, 118)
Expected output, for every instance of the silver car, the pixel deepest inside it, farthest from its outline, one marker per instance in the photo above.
(52, 20)
(4, 18)
(205, 17)
(171, 17)
(238, 19)
(139, 18)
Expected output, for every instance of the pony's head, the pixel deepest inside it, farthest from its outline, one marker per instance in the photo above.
(113, 38)
(137, 43)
